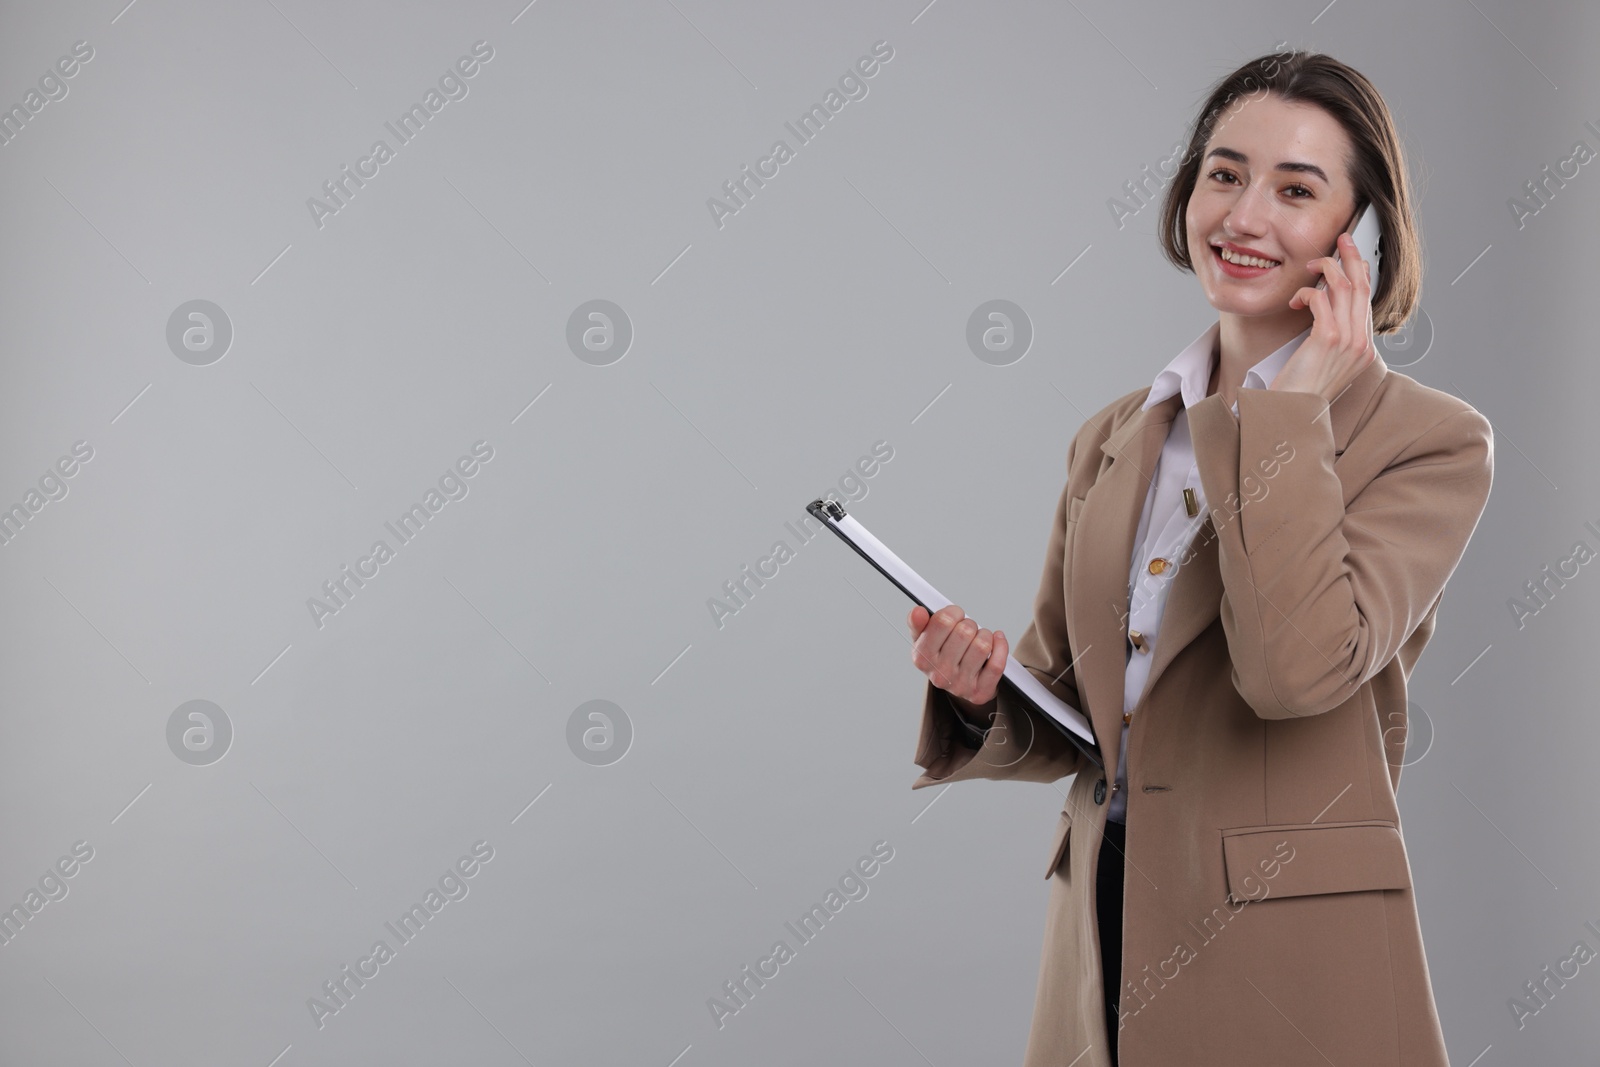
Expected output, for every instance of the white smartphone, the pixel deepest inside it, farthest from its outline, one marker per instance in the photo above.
(1367, 232)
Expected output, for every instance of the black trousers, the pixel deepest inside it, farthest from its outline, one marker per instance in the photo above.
(1108, 906)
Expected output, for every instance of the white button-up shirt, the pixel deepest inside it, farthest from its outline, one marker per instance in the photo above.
(1166, 527)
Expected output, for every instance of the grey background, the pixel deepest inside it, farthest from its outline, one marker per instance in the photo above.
(768, 356)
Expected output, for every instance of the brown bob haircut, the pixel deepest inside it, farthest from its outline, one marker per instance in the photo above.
(1376, 169)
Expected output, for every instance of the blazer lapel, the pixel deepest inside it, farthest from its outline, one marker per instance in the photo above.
(1103, 553)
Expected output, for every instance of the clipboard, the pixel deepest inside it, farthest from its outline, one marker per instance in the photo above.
(1016, 678)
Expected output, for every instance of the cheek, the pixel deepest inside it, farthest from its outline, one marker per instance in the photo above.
(1201, 219)
(1303, 244)
(1195, 231)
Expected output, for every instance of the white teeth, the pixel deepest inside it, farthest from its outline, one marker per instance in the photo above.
(1246, 261)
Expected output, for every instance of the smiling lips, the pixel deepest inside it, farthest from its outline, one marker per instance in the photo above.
(1239, 265)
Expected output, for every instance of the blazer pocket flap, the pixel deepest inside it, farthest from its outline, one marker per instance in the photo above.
(1058, 846)
(1296, 860)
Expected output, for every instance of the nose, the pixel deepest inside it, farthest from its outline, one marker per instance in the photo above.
(1248, 216)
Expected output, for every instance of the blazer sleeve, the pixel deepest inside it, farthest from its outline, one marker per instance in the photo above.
(1013, 742)
(1319, 596)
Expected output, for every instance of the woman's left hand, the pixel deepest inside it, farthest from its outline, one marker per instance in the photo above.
(1340, 344)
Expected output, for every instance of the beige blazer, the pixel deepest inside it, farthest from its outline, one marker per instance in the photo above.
(1268, 914)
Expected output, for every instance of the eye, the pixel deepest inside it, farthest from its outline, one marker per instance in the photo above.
(1296, 191)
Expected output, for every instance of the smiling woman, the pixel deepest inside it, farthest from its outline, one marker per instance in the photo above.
(1253, 693)
(1322, 142)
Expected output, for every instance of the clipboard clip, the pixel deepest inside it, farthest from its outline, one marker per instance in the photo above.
(832, 508)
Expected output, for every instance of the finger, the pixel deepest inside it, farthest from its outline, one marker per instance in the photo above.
(942, 625)
(989, 677)
(1349, 259)
(938, 627)
(1361, 318)
(1324, 266)
(1358, 292)
(1356, 331)
(925, 644)
(1352, 266)
(1361, 280)
(1315, 299)
(917, 622)
(926, 651)
(1352, 262)
(926, 662)
(954, 649)
(976, 657)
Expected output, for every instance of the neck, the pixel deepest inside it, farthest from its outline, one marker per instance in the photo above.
(1244, 341)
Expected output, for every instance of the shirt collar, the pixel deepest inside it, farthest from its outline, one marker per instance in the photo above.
(1190, 370)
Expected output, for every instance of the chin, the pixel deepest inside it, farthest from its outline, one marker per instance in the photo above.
(1232, 305)
(1254, 304)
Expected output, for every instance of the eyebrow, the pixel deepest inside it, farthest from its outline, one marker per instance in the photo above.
(1298, 168)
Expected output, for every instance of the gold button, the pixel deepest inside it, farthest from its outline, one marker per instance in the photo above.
(1127, 717)
(1158, 565)
(1138, 640)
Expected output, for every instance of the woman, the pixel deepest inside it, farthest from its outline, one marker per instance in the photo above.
(1286, 510)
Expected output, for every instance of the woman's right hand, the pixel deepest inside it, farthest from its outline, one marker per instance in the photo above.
(957, 654)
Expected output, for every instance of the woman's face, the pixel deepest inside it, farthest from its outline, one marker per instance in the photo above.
(1273, 181)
